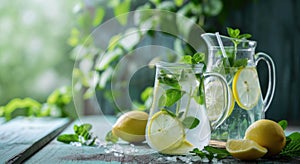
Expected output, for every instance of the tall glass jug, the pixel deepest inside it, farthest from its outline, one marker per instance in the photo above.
(236, 60)
(178, 120)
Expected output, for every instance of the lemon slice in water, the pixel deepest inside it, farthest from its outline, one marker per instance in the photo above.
(166, 134)
(246, 89)
(215, 100)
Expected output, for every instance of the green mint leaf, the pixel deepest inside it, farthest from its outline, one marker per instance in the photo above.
(294, 136)
(187, 59)
(169, 112)
(180, 114)
(198, 93)
(110, 137)
(162, 100)
(190, 122)
(244, 36)
(292, 147)
(168, 79)
(233, 33)
(198, 152)
(283, 124)
(87, 127)
(220, 153)
(240, 63)
(68, 138)
(173, 95)
(198, 57)
(210, 152)
(83, 130)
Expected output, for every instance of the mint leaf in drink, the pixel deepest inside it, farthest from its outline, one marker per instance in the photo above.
(198, 57)
(190, 122)
(173, 95)
(180, 114)
(283, 124)
(187, 59)
(240, 63)
(168, 79)
(169, 112)
(198, 93)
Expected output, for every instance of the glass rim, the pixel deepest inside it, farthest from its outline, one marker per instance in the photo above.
(163, 64)
(227, 37)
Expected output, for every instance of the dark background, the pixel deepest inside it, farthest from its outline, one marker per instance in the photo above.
(275, 25)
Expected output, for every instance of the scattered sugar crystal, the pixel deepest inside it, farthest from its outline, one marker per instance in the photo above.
(75, 144)
(205, 160)
(159, 159)
(185, 159)
(172, 159)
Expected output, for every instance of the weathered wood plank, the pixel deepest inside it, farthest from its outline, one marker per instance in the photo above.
(56, 152)
(22, 137)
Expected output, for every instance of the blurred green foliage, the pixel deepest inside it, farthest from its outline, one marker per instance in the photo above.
(34, 54)
(58, 104)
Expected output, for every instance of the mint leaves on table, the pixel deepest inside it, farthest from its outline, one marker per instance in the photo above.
(81, 135)
(210, 152)
(292, 146)
(110, 137)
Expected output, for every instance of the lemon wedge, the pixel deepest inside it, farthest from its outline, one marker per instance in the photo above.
(182, 149)
(215, 100)
(245, 149)
(165, 132)
(246, 88)
(131, 126)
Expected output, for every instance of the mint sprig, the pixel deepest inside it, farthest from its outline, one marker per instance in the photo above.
(81, 135)
(231, 55)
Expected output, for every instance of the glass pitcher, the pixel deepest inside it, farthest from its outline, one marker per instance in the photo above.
(177, 120)
(236, 60)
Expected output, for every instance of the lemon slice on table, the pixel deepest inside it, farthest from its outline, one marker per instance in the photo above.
(166, 134)
(245, 149)
(246, 89)
(215, 100)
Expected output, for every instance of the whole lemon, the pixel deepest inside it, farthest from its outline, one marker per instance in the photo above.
(131, 126)
(268, 134)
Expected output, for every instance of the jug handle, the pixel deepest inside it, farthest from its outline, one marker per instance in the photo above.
(272, 77)
(221, 119)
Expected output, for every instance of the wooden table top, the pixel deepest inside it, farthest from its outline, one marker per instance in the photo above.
(33, 140)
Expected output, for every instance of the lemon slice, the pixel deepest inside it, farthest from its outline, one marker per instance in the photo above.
(246, 89)
(215, 100)
(165, 132)
(245, 149)
(182, 149)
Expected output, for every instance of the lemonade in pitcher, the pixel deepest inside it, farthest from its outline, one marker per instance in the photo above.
(178, 121)
(236, 60)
